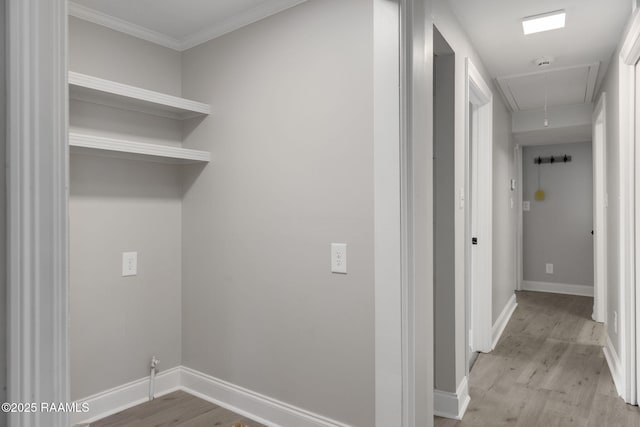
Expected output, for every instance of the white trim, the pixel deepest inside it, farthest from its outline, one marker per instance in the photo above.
(503, 320)
(263, 409)
(630, 49)
(255, 14)
(600, 209)
(558, 288)
(85, 13)
(256, 406)
(106, 92)
(479, 270)
(94, 144)
(452, 405)
(387, 240)
(126, 396)
(217, 29)
(37, 175)
(615, 367)
(629, 56)
(416, 221)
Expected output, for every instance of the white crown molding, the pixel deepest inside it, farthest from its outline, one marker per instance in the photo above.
(82, 12)
(240, 20)
(218, 29)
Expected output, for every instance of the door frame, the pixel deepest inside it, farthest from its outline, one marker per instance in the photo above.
(38, 160)
(599, 144)
(478, 268)
(37, 208)
(629, 215)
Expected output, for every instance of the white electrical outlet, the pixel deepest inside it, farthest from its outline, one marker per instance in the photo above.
(526, 206)
(129, 264)
(615, 322)
(339, 258)
(549, 268)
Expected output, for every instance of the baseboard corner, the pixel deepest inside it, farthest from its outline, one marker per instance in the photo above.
(452, 405)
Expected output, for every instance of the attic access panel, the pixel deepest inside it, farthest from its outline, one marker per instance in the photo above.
(563, 86)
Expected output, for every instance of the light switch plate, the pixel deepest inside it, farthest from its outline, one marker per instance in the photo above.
(339, 258)
(526, 206)
(129, 264)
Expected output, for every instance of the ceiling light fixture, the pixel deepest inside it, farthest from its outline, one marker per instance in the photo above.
(544, 22)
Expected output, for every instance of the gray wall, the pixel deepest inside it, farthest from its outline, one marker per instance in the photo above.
(118, 323)
(504, 237)
(102, 52)
(444, 210)
(610, 86)
(557, 230)
(3, 219)
(293, 141)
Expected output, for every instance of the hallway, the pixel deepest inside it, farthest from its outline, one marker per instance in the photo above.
(547, 370)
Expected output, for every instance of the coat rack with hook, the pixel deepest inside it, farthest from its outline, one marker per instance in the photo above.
(552, 159)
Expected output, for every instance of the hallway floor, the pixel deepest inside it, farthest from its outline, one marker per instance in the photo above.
(547, 370)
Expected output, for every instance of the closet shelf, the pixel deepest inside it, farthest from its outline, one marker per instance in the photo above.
(92, 144)
(100, 91)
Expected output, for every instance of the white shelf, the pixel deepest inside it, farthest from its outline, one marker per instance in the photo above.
(100, 91)
(93, 144)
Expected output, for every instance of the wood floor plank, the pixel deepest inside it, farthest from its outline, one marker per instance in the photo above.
(547, 370)
(178, 409)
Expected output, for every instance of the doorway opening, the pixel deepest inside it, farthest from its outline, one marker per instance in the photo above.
(446, 377)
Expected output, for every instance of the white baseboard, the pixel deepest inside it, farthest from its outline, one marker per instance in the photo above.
(558, 288)
(452, 405)
(258, 407)
(127, 395)
(503, 319)
(614, 365)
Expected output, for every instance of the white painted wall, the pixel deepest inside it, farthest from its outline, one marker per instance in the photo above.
(118, 323)
(557, 230)
(448, 25)
(292, 139)
(611, 85)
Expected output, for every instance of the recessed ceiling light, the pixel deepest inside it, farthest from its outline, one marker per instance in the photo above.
(543, 22)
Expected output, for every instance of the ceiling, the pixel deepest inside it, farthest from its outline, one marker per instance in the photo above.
(592, 33)
(176, 24)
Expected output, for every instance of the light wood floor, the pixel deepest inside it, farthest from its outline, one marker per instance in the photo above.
(547, 370)
(176, 409)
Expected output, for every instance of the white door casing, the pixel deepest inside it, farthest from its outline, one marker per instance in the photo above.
(599, 210)
(37, 156)
(480, 217)
(629, 215)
